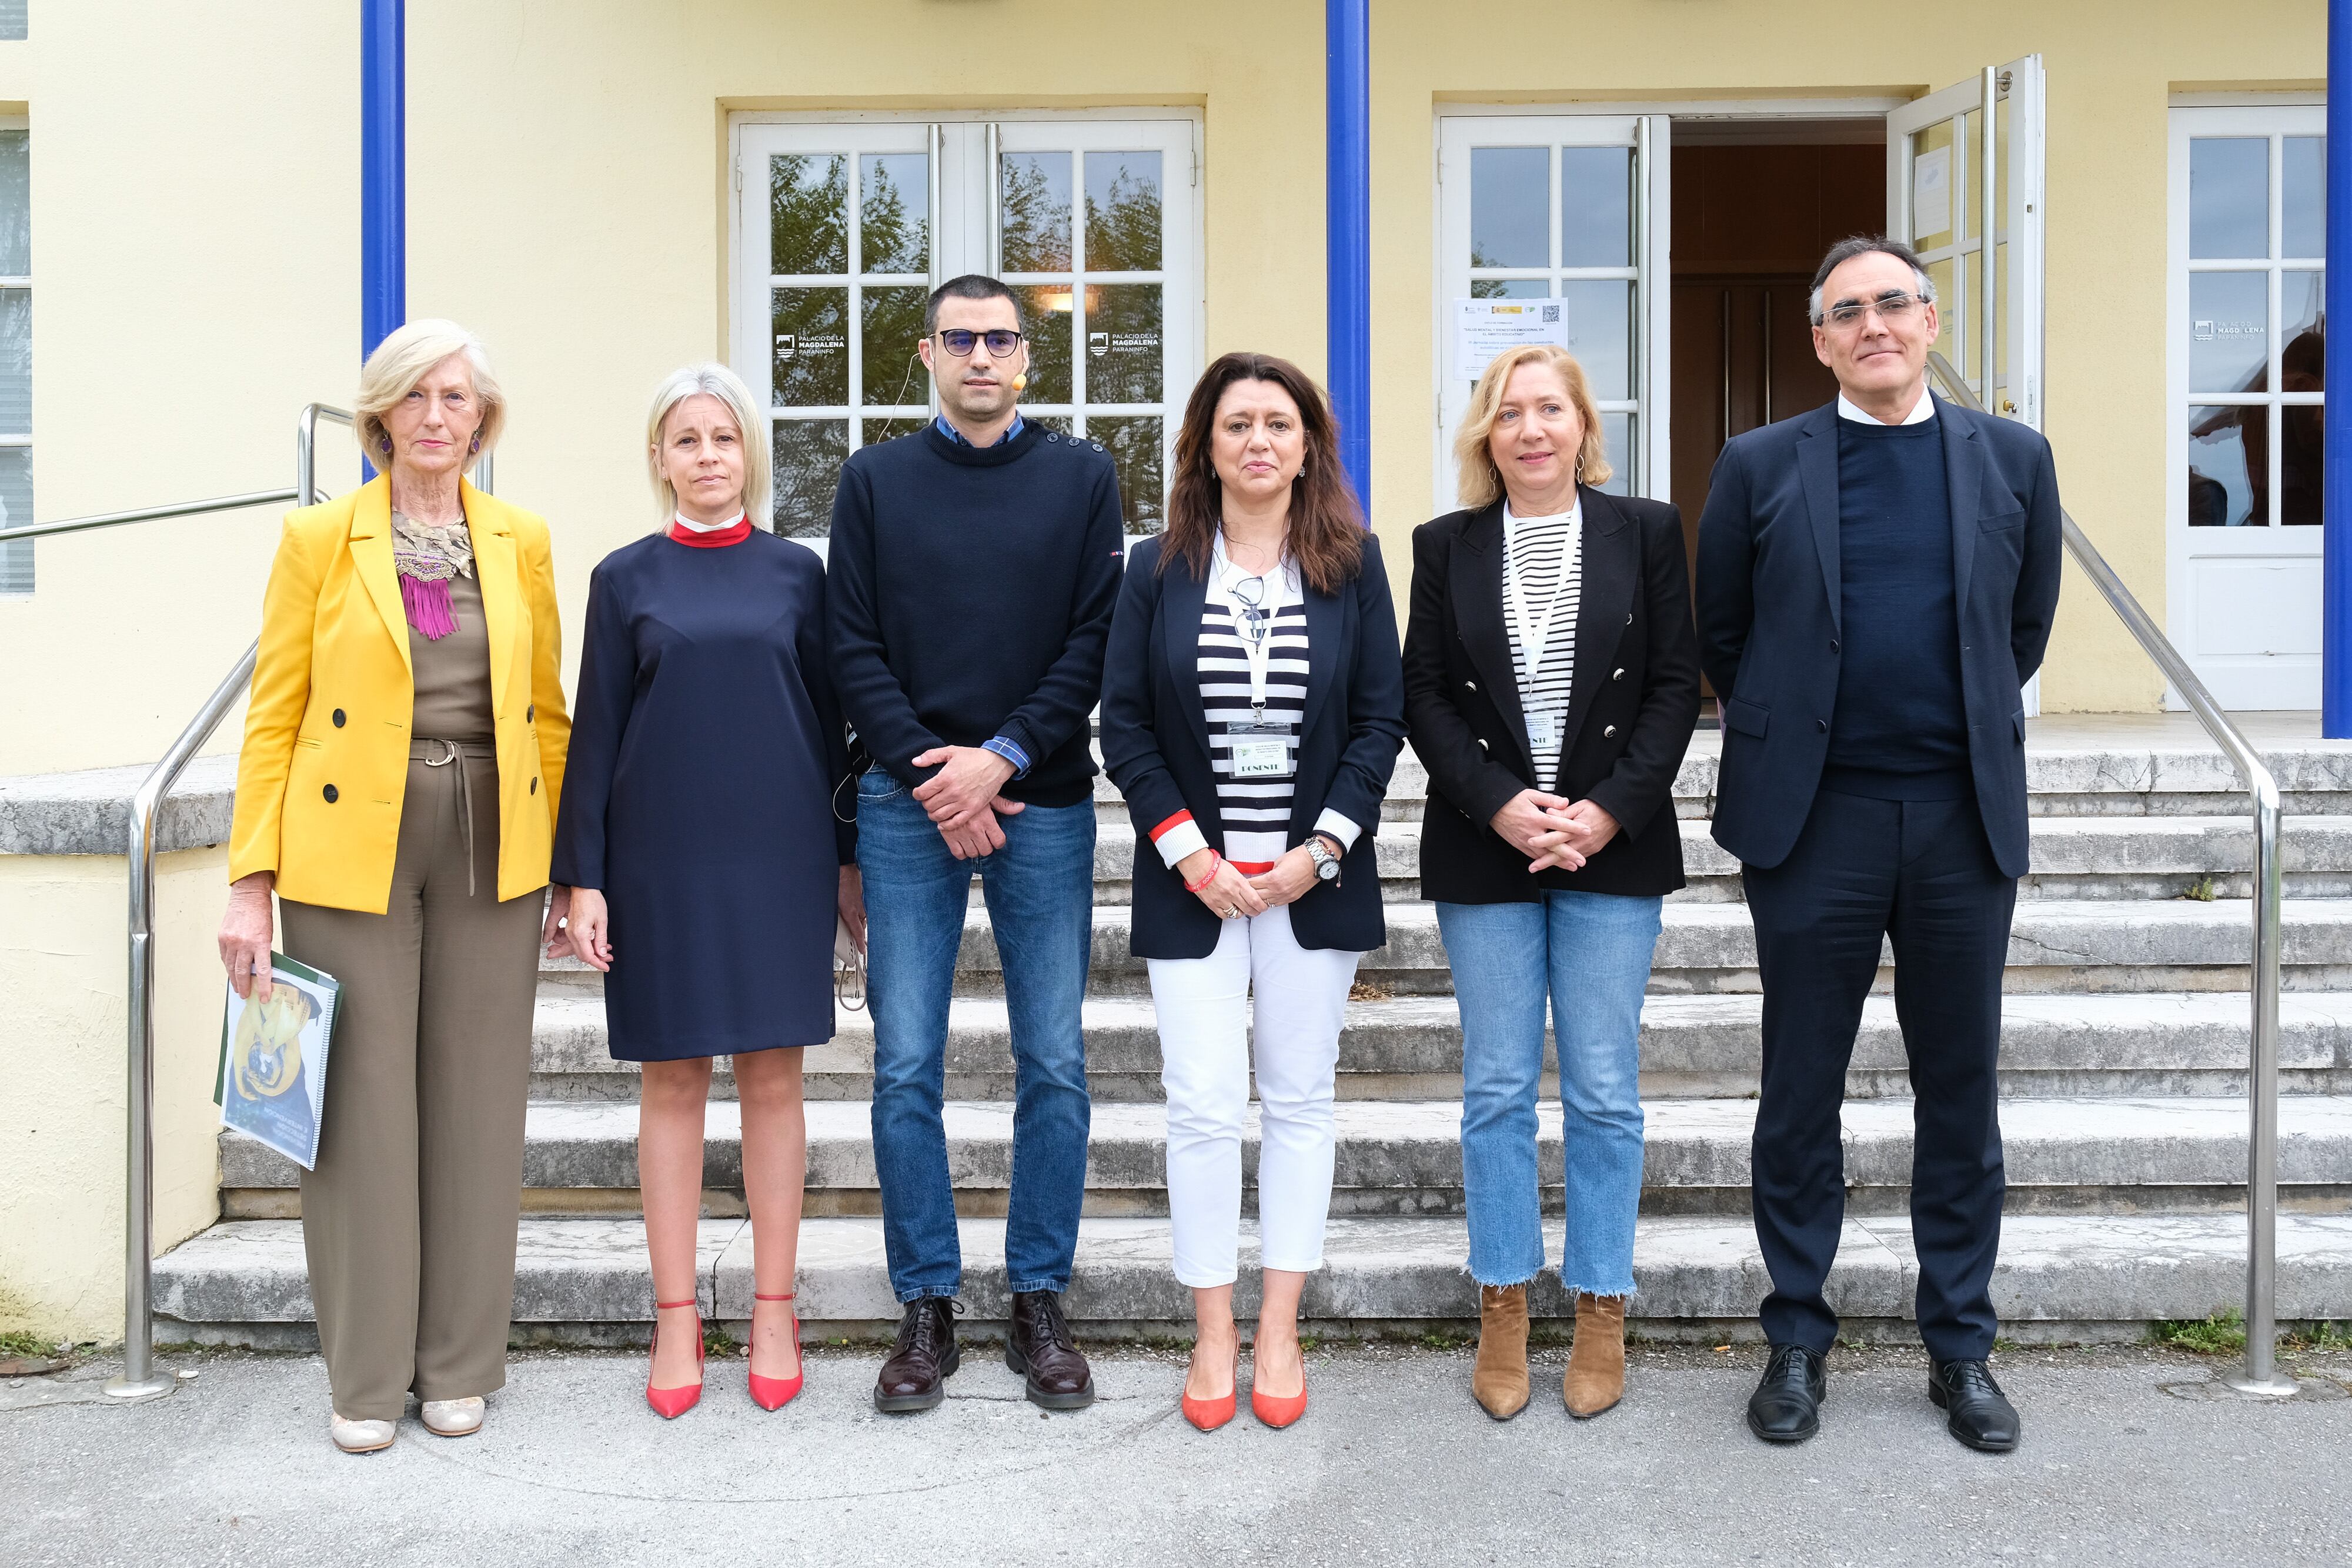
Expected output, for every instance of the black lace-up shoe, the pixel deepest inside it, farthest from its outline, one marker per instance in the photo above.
(1975, 1411)
(1038, 1344)
(923, 1358)
(1787, 1405)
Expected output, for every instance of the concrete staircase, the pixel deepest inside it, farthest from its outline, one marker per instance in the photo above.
(2124, 1048)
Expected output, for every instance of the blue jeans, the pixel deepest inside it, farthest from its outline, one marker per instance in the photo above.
(1592, 952)
(1040, 893)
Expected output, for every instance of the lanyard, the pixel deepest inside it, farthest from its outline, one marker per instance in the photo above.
(1533, 640)
(1258, 650)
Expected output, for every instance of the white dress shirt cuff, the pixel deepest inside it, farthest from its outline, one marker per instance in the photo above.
(1339, 828)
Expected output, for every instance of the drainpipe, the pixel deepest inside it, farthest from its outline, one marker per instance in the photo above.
(1348, 226)
(2335, 626)
(383, 173)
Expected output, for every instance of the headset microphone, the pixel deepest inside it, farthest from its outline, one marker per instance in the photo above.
(1021, 381)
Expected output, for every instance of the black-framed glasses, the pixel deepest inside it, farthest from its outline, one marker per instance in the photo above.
(958, 340)
(1893, 306)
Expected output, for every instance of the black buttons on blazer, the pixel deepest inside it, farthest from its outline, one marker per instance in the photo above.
(1833, 647)
(1822, 725)
(338, 718)
(534, 786)
(330, 793)
(531, 713)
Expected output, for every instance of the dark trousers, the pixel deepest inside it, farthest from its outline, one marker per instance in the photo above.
(1921, 874)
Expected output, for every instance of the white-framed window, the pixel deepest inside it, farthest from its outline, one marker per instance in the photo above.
(15, 350)
(2245, 400)
(843, 224)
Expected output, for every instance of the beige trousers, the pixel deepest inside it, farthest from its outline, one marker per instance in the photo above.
(409, 1220)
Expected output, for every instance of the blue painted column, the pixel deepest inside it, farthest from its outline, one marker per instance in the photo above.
(1347, 224)
(383, 170)
(2335, 626)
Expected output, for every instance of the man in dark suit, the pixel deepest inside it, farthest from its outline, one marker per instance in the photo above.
(1876, 583)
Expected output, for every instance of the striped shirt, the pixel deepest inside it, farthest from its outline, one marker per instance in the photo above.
(1548, 560)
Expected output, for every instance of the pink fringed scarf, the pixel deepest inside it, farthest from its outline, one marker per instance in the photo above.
(428, 558)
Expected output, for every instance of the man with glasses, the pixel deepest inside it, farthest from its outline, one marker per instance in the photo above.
(1876, 583)
(973, 568)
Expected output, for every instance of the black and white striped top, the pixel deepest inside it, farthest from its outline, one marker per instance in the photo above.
(1255, 811)
(1548, 557)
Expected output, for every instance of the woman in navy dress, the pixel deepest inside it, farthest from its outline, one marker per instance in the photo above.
(707, 861)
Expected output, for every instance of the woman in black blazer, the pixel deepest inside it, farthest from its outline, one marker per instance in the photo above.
(1551, 686)
(1253, 707)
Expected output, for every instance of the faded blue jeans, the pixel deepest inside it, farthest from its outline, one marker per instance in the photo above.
(1039, 890)
(1591, 952)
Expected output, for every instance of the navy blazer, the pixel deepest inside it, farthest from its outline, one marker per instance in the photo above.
(1155, 745)
(1769, 611)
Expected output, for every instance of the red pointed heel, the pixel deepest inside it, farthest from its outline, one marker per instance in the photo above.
(1208, 1414)
(669, 1404)
(1278, 1412)
(775, 1392)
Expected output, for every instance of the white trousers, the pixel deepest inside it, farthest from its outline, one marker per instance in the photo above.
(1204, 1049)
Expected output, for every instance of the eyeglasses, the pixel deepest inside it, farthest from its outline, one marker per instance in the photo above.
(1893, 306)
(958, 340)
(1256, 619)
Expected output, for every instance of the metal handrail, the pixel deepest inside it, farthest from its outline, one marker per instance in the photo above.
(146, 514)
(2261, 1374)
(138, 1378)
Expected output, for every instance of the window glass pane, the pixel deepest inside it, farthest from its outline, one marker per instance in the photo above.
(1046, 310)
(1599, 333)
(1037, 211)
(1617, 432)
(1509, 210)
(893, 202)
(808, 457)
(2301, 368)
(2302, 192)
(15, 204)
(1061, 422)
(812, 347)
(1122, 212)
(1123, 356)
(2228, 331)
(1968, 157)
(16, 361)
(1510, 289)
(12, 19)
(1931, 185)
(808, 204)
(2302, 362)
(878, 431)
(891, 328)
(2229, 196)
(2228, 455)
(1940, 276)
(15, 509)
(1134, 445)
(1596, 206)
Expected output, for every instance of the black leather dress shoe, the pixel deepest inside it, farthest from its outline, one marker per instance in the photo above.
(1787, 1405)
(923, 1358)
(1037, 1344)
(1975, 1411)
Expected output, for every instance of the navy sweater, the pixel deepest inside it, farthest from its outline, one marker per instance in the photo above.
(1899, 731)
(970, 595)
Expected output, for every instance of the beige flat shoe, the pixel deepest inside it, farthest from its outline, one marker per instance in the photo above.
(359, 1437)
(454, 1417)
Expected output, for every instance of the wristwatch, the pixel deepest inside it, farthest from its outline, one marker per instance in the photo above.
(1326, 864)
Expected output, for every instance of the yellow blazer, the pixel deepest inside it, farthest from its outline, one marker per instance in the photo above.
(325, 763)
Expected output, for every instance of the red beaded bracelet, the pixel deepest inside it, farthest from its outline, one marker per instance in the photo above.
(1215, 860)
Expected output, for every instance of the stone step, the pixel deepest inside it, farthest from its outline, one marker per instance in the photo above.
(2061, 1278)
(1401, 1158)
(2074, 857)
(1411, 1048)
(2056, 944)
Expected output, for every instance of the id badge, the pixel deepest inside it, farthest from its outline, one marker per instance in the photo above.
(1259, 750)
(1543, 734)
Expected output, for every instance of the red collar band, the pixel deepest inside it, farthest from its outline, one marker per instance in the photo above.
(734, 533)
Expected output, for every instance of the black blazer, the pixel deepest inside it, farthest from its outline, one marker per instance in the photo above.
(1633, 701)
(1769, 611)
(1155, 743)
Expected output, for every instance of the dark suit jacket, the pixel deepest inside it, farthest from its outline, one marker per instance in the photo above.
(1769, 611)
(1633, 701)
(1155, 743)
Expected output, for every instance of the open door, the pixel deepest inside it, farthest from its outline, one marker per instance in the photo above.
(1981, 241)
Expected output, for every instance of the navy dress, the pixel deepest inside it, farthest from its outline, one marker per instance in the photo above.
(707, 749)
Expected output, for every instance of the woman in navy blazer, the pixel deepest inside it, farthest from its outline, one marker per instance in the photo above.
(1253, 707)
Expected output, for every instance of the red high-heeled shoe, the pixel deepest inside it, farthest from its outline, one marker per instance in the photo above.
(669, 1404)
(1278, 1411)
(1208, 1414)
(775, 1392)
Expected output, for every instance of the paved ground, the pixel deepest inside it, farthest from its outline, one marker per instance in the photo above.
(1392, 1463)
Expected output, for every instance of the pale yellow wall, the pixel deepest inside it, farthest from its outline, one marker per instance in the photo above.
(195, 233)
(62, 967)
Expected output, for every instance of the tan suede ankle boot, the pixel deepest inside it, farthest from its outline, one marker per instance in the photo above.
(1596, 1362)
(1500, 1379)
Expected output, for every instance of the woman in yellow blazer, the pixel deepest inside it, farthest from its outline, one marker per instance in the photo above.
(404, 752)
